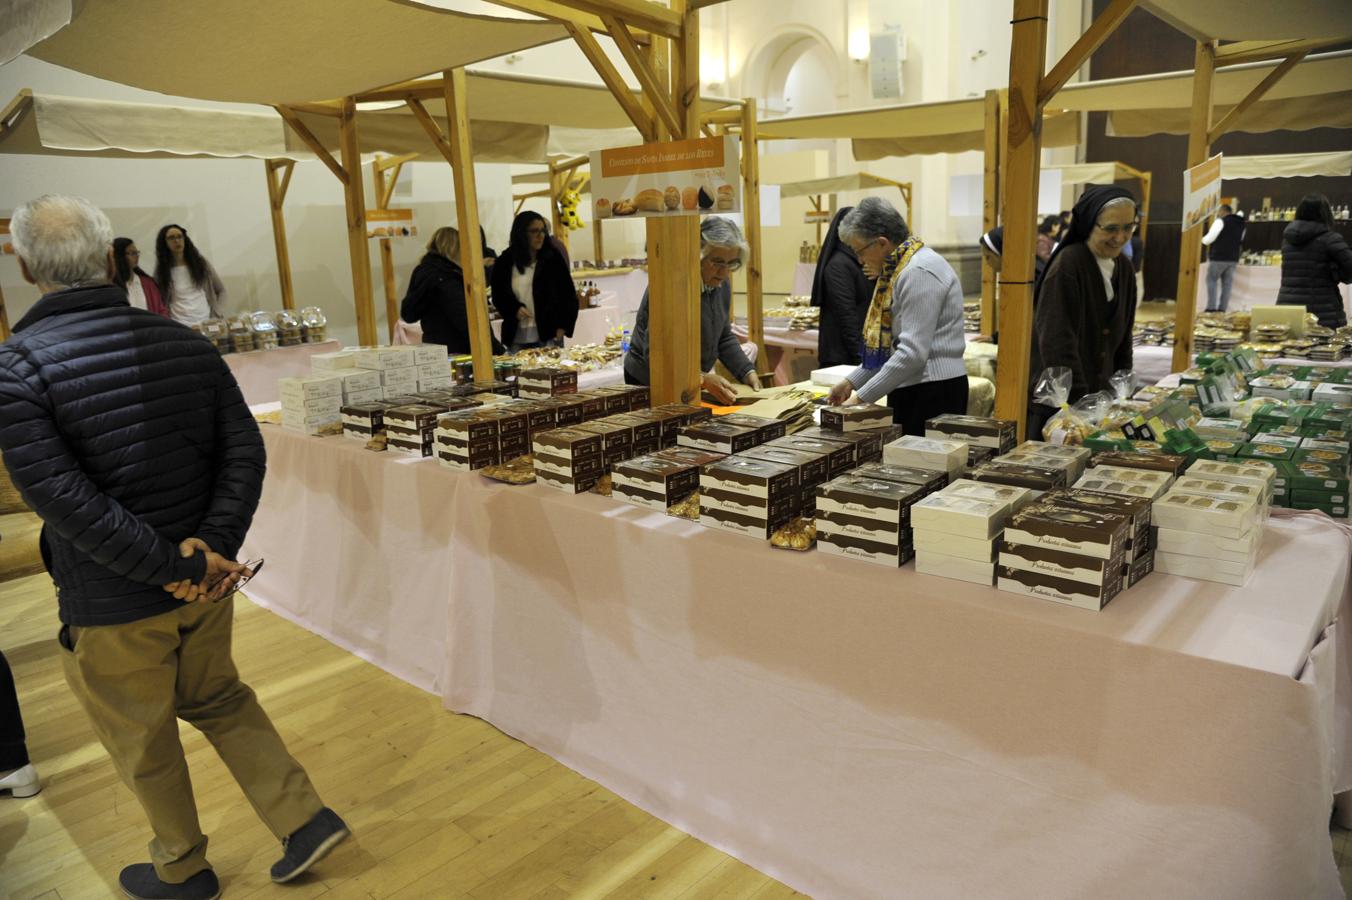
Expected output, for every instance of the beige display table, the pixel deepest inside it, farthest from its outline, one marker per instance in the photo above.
(257, 371)
(593, 324)
(853, 731)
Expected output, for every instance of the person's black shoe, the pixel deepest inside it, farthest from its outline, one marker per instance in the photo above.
(309, 844)
(141, 883)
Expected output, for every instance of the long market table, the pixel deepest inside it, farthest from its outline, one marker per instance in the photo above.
(1252, 286)
(593, 324)
(257, 371)
(846, 728)
(1154, 362)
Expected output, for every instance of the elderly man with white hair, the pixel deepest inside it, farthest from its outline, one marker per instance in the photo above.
(913, 340)
(126, 433)
(722, 249)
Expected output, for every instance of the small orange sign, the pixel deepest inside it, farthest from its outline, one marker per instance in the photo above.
(673, 156)
(675, 178)
(390, 223)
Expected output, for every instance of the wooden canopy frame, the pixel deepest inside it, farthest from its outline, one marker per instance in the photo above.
(1031, 86)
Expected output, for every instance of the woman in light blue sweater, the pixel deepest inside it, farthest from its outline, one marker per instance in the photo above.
(913, 341)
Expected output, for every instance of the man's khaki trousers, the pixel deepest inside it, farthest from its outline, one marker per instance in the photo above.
(136, 680)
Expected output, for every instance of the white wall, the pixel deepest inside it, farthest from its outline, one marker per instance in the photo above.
(224, 206)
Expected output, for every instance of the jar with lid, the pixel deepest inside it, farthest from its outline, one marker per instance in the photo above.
(314, 326)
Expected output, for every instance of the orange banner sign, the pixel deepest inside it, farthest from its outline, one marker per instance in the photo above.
(676, 178)
(390, 223)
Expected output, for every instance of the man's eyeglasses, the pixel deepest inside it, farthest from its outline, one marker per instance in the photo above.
(723, 264)
(250, 570)
(1115, 230)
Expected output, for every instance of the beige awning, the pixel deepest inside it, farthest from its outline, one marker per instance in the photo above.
(29, 21)
(397, 132)
(1287, 165)
(1058, 130)
(1291, 114)
(262, 51)
(50, 125)
(1237, 20)
(860, 181)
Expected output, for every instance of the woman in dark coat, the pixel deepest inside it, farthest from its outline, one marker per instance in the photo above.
(843, 292)
(1315, 259)
(1086, 300)
(436, 295)
(533, 288)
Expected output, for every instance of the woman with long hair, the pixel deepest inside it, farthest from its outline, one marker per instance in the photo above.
(533, 288)
(186, 278)
(843, 292)
(1315, 259)
(142, 291)
(436, 295)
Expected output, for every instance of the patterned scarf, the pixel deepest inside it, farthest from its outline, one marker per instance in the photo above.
(878, 322)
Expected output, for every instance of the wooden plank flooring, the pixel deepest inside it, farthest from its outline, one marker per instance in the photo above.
(442, 806)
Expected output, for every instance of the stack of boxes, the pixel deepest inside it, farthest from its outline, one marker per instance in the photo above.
(568, 459)
(997, 434)
(434, 367)
(411, 427)
(1072, 555)
(546, 381)
(867, 518)
(748, 496)
(935, 454)
(661, 480)
(311, 404)
(364, 420)
(397, 369)
(957, 529)
(465, 440)
(1210, 524)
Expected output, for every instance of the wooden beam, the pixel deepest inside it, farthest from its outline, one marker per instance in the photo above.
(598, 242)
(308, 138)
(990, 208)
(647, 78)
(611, 76)
(700, 4)
(730, 116)
(467, 217)
(1230, 118)
(565, 12)
(1258, 51)
(1022, 166)
(355, 199)
(1190, 250)
(393, 162)
(384, 173)
(433, 130)
(673, 243)
(751, 214)
(14, 111)
(1145, 216)
(276, 197)
(1099, 31)
(333, 108)
(557, 182)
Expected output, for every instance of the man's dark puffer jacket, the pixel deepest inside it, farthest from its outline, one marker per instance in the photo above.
(126, 433)
(1314, 259)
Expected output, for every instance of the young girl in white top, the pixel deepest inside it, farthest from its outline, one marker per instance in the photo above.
(186, 279)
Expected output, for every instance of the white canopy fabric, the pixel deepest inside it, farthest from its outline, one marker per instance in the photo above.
(1086, 173)
(397, 132)
(1287, 165)
(1228, 20)
(1291, 114)
(261, 51)
(29, 21)
(50, 125)
(860, 181)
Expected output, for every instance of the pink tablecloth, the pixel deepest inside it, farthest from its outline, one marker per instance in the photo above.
(1253, 286)
(257, 372)
(845, 728)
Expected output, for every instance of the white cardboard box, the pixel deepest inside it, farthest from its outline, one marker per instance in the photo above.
(930, 563)
(309, 387)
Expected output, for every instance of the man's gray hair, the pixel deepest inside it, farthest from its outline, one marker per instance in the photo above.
(63, 240)
(873, 218)
(716, 231)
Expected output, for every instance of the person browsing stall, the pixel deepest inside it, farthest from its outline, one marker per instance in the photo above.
(186, 278)
(436, 295)
(842, 291)
(142, 291)
(1315, 258)
(722, 249)
(1086, 301)
(913, 341)
(533, 288)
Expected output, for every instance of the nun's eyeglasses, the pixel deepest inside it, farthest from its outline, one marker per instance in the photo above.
(1115, 230)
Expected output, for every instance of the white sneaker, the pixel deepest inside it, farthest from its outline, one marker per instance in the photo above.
(21, 782)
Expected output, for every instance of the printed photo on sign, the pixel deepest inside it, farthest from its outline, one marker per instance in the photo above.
(390, 223)
(1201, 192)
(676, 178)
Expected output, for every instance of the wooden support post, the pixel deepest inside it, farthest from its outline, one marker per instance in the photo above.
(1021, 170)
(1145, 216)
(990, 209)
(355, 199)
(276, 197)
(598, 245)
(1231, 118)
(1190, 251)
(467, 217)
(673, 243)
(556, 187)
(751, 214)
(383, 176)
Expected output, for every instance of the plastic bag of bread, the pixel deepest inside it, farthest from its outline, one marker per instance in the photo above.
(1053, 389)
(800, 534)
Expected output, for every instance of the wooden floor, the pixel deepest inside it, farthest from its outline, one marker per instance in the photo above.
(441, 806)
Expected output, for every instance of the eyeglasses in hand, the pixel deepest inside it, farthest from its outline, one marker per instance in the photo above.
(250, 570)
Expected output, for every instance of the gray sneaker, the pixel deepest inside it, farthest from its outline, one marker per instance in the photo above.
(309, 844)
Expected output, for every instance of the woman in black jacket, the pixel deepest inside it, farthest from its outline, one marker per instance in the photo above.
(436, 295)
(843, 292)
(1315, 258)
(533, 288)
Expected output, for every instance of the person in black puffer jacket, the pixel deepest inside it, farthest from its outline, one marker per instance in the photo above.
(843, 292)
(436, 295)
(1315, 259)
(128, 436)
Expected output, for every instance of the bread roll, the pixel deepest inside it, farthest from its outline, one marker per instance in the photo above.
(725, 196)
(690, 198)
(649, 200)
(603, 208)
(672, 196)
